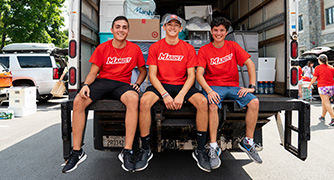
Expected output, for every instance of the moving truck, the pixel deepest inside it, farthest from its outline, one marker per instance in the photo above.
(274, 23)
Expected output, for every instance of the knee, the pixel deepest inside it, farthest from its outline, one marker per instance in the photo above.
(213, 108)
(78, 103)
(145, 104)
(131, 100)
(202, 104)
(254, 104)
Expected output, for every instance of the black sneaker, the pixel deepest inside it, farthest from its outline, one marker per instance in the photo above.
(250, 150)
(74, 160)
(143, 158)
(332, 122)
(321, 118)
(127, 159)
(202, 158)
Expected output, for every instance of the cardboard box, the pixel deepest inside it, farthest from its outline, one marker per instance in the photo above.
(144, 29)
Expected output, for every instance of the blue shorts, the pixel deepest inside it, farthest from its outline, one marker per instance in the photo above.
(231, 93)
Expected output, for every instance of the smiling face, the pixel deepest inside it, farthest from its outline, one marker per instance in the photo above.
(120, 30)
(219, 33)
(172, 28)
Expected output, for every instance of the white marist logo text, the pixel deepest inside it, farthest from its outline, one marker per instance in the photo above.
(217, 60)
(168, 57)
(116, 60)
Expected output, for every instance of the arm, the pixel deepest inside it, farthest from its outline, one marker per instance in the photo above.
(152, 73)
(187, 85)
(252, 78)
(63, 75)
(212, 95)
(312, 81)
(84, 92)
(140, 79)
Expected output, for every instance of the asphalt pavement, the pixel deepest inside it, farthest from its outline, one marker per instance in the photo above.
(31, 149)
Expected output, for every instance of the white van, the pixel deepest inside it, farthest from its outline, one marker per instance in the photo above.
(33, 64)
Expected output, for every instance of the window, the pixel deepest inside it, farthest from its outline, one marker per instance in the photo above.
(5, 61)
(300, 23)
(34, 61)
(330, 15)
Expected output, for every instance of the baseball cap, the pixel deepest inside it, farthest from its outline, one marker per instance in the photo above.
(322, 57)
(171, 17)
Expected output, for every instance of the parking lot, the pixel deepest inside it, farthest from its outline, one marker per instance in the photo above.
(31, 148)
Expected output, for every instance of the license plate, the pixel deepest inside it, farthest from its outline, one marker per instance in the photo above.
(113, 141)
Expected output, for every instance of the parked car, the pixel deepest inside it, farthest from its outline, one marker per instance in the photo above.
(33, 64)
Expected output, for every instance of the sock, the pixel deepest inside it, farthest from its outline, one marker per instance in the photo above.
(145, 141)
(201, 139)
(128, 150)
(214, 145)
(250, 140)
(77, 151)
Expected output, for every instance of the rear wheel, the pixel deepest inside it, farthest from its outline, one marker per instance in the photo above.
(44, 97)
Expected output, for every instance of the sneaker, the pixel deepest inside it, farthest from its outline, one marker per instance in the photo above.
(143, 158)
(214, 154)
(332, 122)
(321, 118)
(74, 160)
(202, 159)
(250, 150)
(127, 159)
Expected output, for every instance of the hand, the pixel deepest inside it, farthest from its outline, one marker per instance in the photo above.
(169, 102)
(136, 87)
(178, 101)
(213, 97)
(309, 86)
(84, 92)
(243, 91)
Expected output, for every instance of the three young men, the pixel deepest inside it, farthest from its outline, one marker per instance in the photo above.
(110, 75)
(172, 65)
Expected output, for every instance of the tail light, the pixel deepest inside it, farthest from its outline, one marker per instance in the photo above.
(294, 49)
(294, 76)
(72, 76)
(73, 49)
(55, 73)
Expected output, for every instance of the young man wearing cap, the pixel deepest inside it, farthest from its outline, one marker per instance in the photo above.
(172, 65)
(110, 75)
(218, 62)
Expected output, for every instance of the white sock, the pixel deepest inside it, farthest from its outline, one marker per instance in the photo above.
(214, 145)
(250, 140)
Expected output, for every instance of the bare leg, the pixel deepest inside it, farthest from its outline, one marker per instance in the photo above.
(251, 117)
(201, 104)
(300, 90)
(324, 110)
(327, 104)
(146, 103)
(130, 100)
(78, 123)
(213, 122)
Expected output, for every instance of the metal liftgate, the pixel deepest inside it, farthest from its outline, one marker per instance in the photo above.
(163, 117)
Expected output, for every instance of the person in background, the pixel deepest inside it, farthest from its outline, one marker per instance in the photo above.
(324, 74)
(217, 73)
(308, 71)
(110, 74)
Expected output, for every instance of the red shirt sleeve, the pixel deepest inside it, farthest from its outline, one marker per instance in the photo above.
(152, 56)
(241, 54)
(201, 57)
(96, 57)
(316, 73)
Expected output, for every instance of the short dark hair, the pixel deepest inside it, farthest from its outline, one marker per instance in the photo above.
(217, 21)
(120, 18)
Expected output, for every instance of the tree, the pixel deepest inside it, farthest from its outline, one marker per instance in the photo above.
(31, 21)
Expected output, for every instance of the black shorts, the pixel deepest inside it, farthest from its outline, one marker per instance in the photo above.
(173, 90)
(108, 89)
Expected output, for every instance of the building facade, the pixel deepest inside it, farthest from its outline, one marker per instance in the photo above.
(315, 24)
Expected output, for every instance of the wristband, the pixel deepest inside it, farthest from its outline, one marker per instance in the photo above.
(165, 95)
(85, 85)
(210, 91)
(137, 84)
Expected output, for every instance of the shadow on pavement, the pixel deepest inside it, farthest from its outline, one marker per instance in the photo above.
(40, 157)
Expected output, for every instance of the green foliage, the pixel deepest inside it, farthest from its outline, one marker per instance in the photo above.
(31, 21)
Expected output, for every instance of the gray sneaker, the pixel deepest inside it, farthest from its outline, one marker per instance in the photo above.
(202, 159)
(143, 158)
(214, 154)
(250, 150)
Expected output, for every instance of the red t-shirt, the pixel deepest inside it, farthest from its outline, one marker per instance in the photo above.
(117, 64)
(220, 64)
(324, 74)
(172, 61)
